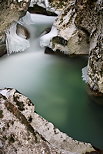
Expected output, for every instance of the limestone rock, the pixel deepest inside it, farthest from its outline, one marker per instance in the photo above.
(78, 43)
(58, 4)
(76, 38)
(95, 62)
(90, 19)
(23, 131)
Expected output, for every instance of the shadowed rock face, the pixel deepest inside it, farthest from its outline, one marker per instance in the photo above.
(10, 10)
(23, 131)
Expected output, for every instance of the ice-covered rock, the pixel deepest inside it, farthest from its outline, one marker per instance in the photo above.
(30, 18)
(77, 42)
(45, 39)
(14, 42)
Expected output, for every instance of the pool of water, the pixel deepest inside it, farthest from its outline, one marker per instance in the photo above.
(55, 86)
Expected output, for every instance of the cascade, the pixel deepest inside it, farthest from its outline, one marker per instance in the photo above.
(15, 43)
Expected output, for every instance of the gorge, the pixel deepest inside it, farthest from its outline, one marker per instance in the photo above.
(54, 83)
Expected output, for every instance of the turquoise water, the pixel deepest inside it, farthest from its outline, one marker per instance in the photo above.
(55, 86)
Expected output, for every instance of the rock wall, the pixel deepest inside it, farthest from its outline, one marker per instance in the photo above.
(95, 62)
(23, 131)
(90, 19)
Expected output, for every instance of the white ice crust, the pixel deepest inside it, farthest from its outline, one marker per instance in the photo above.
(15, 43)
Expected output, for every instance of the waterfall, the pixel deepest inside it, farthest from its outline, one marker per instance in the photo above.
(15, 43)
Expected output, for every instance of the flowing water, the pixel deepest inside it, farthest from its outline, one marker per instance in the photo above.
(55, 86)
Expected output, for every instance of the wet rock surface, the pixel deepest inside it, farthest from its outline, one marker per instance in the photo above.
(23, 131)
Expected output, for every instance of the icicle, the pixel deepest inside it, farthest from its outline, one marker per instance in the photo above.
(85, 74)
(15, 43)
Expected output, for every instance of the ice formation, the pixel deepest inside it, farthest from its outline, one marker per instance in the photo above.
(43, 3)
(30, 18)
(15, 43)
(45, 40)
(85, 74)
